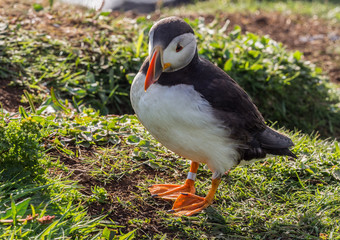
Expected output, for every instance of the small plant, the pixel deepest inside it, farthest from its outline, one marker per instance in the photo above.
(99, 194)
(20, 148)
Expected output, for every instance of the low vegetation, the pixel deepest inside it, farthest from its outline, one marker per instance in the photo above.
(94, 172)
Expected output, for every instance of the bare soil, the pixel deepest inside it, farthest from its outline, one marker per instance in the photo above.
(125, 201)
(10, 96)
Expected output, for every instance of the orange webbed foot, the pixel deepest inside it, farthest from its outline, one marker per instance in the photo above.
(170, 191)
(189, 204)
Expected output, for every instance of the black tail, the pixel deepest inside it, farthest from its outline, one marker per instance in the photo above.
(253, 153)
(266, 142)
(273, 142)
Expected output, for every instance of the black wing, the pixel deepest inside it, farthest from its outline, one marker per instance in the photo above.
(230, 102)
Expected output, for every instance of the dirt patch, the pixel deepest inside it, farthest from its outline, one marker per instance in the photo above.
(10, 96)
(126, 199)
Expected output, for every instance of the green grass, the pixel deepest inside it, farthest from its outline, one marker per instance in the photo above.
(43, 185)
(293, 199)
(47, 197)
(90, 71)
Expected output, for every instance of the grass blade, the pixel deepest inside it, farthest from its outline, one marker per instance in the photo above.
(57, 102)
(139, 43)
(30, 101)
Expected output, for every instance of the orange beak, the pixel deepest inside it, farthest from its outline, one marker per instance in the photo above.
(155, 68)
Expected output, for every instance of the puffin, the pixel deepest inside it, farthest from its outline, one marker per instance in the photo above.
(198, 111)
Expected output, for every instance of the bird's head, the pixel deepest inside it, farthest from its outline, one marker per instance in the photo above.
(172, 46)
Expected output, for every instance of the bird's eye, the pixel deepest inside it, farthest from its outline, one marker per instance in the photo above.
(179, 47)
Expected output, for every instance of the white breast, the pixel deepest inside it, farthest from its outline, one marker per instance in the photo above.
(179, 118)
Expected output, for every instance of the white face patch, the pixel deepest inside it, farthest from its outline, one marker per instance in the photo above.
(176, 59)
(180, 59)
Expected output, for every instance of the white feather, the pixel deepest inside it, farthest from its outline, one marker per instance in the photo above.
(179, 118)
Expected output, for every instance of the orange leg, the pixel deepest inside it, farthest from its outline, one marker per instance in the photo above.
(170, 191)
(189, 204)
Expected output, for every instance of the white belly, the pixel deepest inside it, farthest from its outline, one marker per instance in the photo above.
(182, 120)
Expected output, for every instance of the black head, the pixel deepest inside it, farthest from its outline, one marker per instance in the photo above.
(165, 30)
(172, 46)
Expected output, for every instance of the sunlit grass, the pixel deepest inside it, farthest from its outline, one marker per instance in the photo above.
(272, 198)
